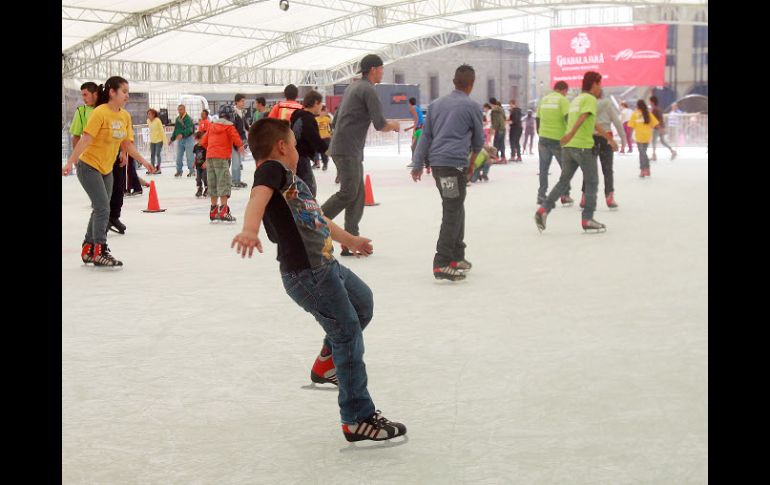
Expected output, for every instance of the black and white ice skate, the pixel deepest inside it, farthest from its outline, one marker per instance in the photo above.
(448, 273)
(116, 226)
(103, 258)
(376, 428)
(591, 225)
(463, 266)
(199, 192)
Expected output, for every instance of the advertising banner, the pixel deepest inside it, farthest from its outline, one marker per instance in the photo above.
(624, 56)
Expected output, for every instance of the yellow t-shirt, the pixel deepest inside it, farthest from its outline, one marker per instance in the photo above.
(642, 130)
(323, 126)
(109, 129)
(157, 132)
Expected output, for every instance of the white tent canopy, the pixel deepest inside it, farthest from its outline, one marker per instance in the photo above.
(314, 42)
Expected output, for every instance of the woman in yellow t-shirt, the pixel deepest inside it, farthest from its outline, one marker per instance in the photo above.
(642, 122)
(108, 130)
(157, 138)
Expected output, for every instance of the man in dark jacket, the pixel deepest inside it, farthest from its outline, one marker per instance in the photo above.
(309, 141)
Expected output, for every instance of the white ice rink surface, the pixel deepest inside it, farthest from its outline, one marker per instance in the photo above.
(564, 358)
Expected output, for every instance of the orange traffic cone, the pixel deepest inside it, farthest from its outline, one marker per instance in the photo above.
(368, 195)
(152, 202)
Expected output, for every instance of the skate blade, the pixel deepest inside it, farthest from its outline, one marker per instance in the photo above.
(375, 445)
(115, 230)
(315, 387)
(449, 278)
(594, 231)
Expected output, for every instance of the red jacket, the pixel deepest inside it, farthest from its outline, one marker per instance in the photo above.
(220, 138)
(203, 125)
(284, 109)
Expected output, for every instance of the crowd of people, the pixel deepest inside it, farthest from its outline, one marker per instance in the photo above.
(287, 141)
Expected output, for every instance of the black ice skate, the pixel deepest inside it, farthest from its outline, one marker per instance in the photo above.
(206, 192)
(448, 273)
(116, 226)
(199, 192)
(376, 428)
(540, 217)
(567, 201)
(224, 214)
(102, 257)
(592, 225)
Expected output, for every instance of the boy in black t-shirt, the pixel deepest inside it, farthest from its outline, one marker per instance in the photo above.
(333, 294)
(199, 153)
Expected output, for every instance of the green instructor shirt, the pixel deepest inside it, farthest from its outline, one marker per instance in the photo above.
(80, 119)
(584, 137)
(552, 111)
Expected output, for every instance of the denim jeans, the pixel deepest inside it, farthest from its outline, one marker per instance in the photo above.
(155, 151)
(236, 166)
(185, 147)
(546, 149)
(98, 187)
(644, 160)
(450, 183)
(499, 142)
(656, 133)
(605, 160)
(343, 305)
(572, 158)
(350, 197)
(479, 171)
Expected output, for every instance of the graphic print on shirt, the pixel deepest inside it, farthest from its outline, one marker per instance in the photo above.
(307, 216)
(117, 130)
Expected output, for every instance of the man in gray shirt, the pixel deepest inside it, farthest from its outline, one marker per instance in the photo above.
(606, 115)
(452, 129)
(360, 106)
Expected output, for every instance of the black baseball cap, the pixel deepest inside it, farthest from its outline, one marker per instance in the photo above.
(369, 61)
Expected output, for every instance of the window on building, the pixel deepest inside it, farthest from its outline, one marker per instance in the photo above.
(671, 60)
(491, 88)
(398, 77)
(433, 87)
(700, 37)
(672, 36)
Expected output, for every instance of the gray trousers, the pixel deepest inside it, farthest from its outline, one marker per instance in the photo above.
(99, 190)
(350, 197)
(547, 149)
(571, 159)
(450, 183)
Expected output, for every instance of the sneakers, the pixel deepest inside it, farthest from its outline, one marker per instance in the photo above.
(448, 273)
(566, 201)
(224, 214)
(463, 265)
(540, 216)
(199, 192)
(582, 200)
(592, 225)
(611, 201)
(323, 370)
(87, 252)
(214, 213)
(116, 226)
(102, 256)
(376, 428)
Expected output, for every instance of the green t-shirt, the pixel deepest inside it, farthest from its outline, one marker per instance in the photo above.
(80, 119)
(552, 111)
(584, 137)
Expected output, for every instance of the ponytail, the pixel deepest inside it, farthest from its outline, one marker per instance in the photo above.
(112, 83)
(102, 95)
(645, 112)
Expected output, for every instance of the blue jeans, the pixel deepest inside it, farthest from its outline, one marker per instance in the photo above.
(572, 158)
(478, 172)
(155, 150)
(235, 157)
(344, 306)
(546, 149)
(185, 146)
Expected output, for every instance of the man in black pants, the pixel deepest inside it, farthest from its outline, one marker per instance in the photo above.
(515, 131)
(453, 128)
(118, 187)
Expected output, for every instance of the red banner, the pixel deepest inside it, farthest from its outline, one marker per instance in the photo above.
(624, 56)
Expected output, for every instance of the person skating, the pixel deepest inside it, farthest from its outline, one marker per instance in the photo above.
(219, 142)
(453, 129)
(360, 107)
(338, 299)
(108, 129)
(201, 179)
(308, 138)
(577, 152)
(158, 138)
(643, 123)
(551, 123)
(660, 130)
(183, 134)
(515, 131)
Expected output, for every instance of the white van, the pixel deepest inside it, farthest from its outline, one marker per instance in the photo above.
(193, 103)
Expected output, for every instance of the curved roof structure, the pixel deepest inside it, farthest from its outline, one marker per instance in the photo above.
(314, 42)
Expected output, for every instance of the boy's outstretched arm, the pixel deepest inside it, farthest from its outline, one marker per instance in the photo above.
(255, 210)
(360, 246)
